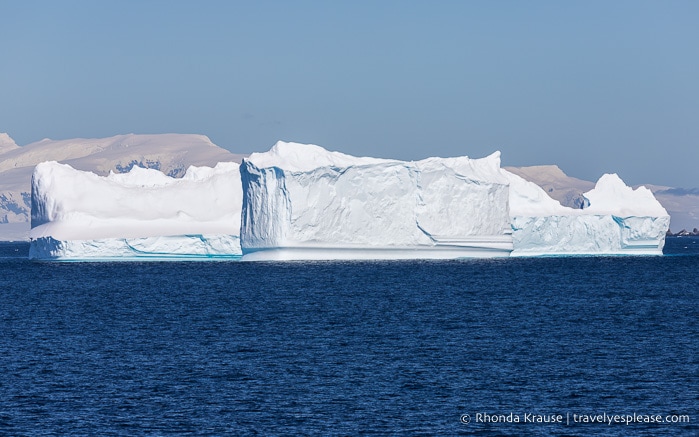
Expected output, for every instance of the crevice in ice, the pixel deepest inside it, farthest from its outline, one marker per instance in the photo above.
(584, 202)
(467, 179)
(620, 221)
(434, 240)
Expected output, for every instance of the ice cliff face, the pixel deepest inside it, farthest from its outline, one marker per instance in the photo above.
(301, 201)
(615, 220)
(78, 214)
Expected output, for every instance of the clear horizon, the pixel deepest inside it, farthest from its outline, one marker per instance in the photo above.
(593, 87)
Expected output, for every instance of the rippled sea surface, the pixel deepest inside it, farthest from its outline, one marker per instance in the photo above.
(350, 348)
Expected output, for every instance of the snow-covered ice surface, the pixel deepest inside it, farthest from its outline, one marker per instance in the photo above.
(142, 213)
(301, 201)
(615, 220)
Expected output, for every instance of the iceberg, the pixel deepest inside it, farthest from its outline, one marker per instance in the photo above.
(170, 153)
(140, 214)
(301, 201)
(614, 220)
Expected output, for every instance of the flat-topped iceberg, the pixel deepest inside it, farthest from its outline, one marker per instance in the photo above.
(301, 201)
(615, 220)
(142, 213)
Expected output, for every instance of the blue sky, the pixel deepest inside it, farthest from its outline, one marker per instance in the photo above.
(593, 86)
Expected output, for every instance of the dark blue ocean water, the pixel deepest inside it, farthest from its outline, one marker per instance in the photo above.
(349, 348)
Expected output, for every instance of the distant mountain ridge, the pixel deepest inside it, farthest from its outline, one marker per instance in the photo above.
(7, 143)
(169, 153)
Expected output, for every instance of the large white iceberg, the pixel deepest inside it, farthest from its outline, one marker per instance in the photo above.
(142, 213)
(301, 201)
(170, 153)
(614, 219)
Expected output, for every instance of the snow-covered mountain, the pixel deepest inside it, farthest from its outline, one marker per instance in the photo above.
(170, 153)
(681, 204)
(7, 143)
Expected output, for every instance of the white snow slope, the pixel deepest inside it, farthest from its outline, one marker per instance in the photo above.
(301, 201)
(142, 213)
(170, 153)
